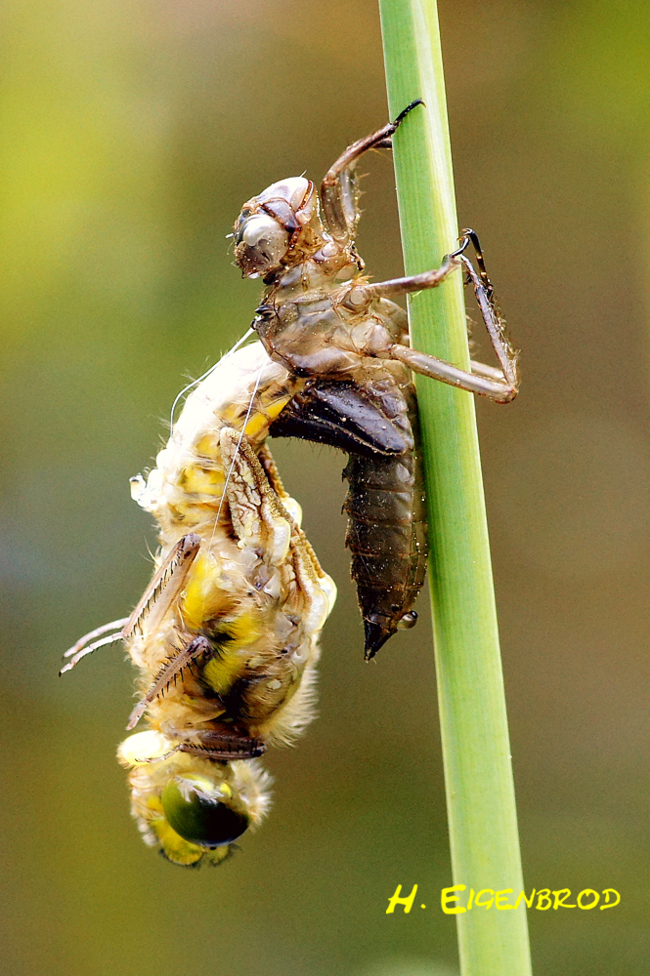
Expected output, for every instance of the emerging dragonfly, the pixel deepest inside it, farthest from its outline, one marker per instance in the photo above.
(325, 322)
(225, 636)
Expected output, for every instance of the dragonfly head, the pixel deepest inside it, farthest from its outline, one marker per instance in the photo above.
(193, 809)
(273, 227)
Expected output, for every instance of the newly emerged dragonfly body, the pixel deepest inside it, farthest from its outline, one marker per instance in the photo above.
(326, 323)
(225, 637)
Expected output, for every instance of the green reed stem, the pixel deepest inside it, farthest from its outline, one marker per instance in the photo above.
(478, 773)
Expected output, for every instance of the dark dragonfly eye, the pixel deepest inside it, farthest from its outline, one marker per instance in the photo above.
(200, 821)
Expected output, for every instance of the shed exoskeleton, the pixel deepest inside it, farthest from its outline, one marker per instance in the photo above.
(328, 325)
(226, 635)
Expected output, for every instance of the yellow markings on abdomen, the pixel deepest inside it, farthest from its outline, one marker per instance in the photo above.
(197, 480)
(232, 640)
(205, 596)
(258, 424)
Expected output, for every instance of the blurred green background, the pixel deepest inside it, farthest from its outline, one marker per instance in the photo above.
(132, 133)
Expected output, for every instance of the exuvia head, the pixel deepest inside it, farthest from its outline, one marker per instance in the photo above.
(272, 225)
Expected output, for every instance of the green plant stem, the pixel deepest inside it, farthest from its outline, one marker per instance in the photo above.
(478, 773)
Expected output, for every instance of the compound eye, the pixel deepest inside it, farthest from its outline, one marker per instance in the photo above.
(262, 229)
(206, 823)
(261, 244)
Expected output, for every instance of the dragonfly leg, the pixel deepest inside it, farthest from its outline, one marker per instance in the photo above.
(168, 672)
(258, 516)
(223, 746)
(161, 592)
(500, 384)
(86, 644)
(167, 583)
(339, 192)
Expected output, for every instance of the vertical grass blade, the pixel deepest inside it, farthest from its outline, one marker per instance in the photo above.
(478, 773)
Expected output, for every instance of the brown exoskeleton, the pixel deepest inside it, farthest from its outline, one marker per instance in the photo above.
(324, 321)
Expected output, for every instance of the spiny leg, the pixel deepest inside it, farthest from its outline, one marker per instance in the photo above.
(338, 190)
(223, 746)
(490, 311)
(167, 583)
(395, 287)
(97, 632)
(170, 670)
(161, 592)
(82, 648)
(467, 237)
(216, 746)
(481, 381)
(501, 385)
